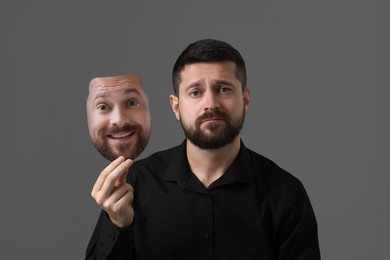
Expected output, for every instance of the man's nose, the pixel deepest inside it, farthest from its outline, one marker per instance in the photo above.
(119, 117)
(210, 101)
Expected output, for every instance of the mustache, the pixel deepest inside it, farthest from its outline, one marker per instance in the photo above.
(212, 114)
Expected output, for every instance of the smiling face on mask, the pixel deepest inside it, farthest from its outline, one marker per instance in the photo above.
(118, 116)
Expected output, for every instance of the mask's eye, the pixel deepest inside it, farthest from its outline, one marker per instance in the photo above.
(102, 107)
(133, 103)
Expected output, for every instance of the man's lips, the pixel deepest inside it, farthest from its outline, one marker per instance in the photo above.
(120, 135)
(214, 119)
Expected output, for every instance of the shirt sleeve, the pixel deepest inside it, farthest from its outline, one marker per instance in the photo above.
(298, 236)
(110, 242)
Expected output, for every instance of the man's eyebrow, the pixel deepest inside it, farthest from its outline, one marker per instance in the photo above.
(195, 84)
(215, 82)
(130, 90)
(126, 91)
(222, 82)
(100, 95)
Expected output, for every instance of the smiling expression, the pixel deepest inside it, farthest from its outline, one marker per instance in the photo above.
(118, 116)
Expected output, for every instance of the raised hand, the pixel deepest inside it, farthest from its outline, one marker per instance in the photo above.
(113, 194)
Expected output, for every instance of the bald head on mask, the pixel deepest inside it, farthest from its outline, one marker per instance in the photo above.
(118, 116)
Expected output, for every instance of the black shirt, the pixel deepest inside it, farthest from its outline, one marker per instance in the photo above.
(256, 210)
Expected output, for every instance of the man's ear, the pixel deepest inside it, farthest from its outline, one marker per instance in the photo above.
(174, 100)
(246, 93)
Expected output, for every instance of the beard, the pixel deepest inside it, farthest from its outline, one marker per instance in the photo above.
(215, 135)
(128, 150)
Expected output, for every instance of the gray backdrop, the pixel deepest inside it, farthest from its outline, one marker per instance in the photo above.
(319, 74)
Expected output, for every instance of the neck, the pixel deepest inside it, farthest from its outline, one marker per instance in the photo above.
(209, 165)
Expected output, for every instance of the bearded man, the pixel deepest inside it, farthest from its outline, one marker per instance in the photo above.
(210, 197)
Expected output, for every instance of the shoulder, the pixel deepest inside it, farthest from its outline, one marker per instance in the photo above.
(280, 193)
(272, 180)
(158, 159)
(155, 164)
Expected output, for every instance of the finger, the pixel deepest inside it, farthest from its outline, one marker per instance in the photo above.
(108, 197)
(103, 175)
(122, 191)
(122, 178)
(113, 177)
(122, 213)
(125, 201)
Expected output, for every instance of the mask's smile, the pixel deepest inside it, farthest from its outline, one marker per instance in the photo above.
(121, 135)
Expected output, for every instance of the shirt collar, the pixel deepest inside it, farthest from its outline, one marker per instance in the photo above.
(179, 170)
(241, 169)
(178, 164)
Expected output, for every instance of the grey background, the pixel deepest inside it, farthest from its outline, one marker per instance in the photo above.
(319, 74)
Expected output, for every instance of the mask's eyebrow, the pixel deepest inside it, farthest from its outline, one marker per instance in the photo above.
(100, 95)
(126, 91)
(131, 90)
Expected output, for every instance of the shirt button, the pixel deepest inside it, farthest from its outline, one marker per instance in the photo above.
(206, 235)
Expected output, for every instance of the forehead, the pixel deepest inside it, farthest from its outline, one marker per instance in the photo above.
(225, 69)
(211, 71)
(104, 86)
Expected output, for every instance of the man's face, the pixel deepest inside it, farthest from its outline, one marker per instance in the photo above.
(118, 115)
(211, 105)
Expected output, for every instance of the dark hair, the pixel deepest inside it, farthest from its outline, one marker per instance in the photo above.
(208, 50)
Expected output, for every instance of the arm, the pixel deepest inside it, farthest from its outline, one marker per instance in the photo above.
(109, 241)
(112, 237)
(298, 235)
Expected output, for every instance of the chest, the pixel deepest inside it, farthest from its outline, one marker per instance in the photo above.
(221, 223)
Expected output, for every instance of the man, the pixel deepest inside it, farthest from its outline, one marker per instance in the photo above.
(210, 197)
(119, 126)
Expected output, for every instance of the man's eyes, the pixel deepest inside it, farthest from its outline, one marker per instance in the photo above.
(221, 90)
(133, 103)
(102, 107)
(195, 93)
(224, 89)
